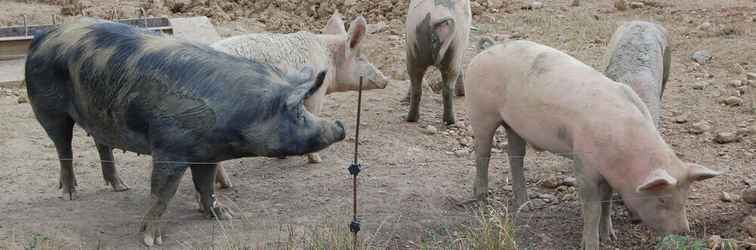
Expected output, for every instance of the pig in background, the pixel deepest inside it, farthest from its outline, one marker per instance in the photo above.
(336, 50)
(639, 55)
(552, 101)
(437, 35)
(188, 105)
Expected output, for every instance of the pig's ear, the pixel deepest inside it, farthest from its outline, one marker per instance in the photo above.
(356, 32)
(335, 25)
(698, 173)
(657, 180)
(305, 90)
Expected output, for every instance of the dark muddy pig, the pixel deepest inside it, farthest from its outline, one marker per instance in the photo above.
(437, 35)
(189, 106)
(552, 101)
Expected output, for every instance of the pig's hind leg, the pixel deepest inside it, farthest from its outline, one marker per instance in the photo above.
(415, 91)
(203, 176)
(450, 77)
(59, 127)
(516, 152)
(109, 172)
(221, 177)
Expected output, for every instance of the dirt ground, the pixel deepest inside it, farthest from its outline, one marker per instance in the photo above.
(413, 179)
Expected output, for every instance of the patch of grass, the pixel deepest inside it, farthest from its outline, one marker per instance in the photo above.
(679, 242)
(494, 230)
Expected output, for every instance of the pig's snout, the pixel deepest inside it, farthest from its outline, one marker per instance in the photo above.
(340, 132)
(682, 227)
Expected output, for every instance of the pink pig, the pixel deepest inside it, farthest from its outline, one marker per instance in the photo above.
(554, 102)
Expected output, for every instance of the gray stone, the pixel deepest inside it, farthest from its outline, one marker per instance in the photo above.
(733, 101)
(700, 85)
(726, 137)
(749, 195)
(700, 127)
(430, 130)
(701, 56)
(637, 5)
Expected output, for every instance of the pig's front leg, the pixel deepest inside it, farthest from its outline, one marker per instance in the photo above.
(314, 104)
(590, 193)
(516, 151)
(109, 172)
(203, 176)
(484, 128)
(166, 175)
(606, 230)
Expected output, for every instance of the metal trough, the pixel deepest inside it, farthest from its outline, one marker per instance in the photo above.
(15, 40)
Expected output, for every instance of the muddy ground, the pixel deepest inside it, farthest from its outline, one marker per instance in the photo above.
(413, 178)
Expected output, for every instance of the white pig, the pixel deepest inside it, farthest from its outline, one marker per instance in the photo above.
(554, 102)
(335, 50)
(639, 56)
(437, 35)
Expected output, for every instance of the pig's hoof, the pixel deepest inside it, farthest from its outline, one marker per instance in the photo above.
(220, 212)
(118, 185)
(68, 192)
(151, 234)
(225, 184)
(314, 158)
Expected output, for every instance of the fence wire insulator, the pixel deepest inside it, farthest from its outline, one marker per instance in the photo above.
(354, 169)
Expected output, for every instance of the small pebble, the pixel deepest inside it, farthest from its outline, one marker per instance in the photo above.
(726, 137)
(637, 5)
(733, 101)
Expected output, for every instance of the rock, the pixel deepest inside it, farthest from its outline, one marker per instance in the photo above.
(747, 131)
(727, 197)
(548, 198)
(733, 101)
(502, 37)
(680, 118)
(570, 181)
(461, 153)
(736, 83)
(485, 42)
(713, 242)
(726, 137)
(749, 225)
(535, 5)
(551, 182)
(700, 85)
(376, 27)
(701, 56)
(751, 76)
(486, 18)
(749, 195)
(22, 99)
(575, 3)
(637, 5)
(699, 127)
(620, 5)
(430, 130)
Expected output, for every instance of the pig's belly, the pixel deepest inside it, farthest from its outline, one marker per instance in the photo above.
(543, 132)
(117, 138)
